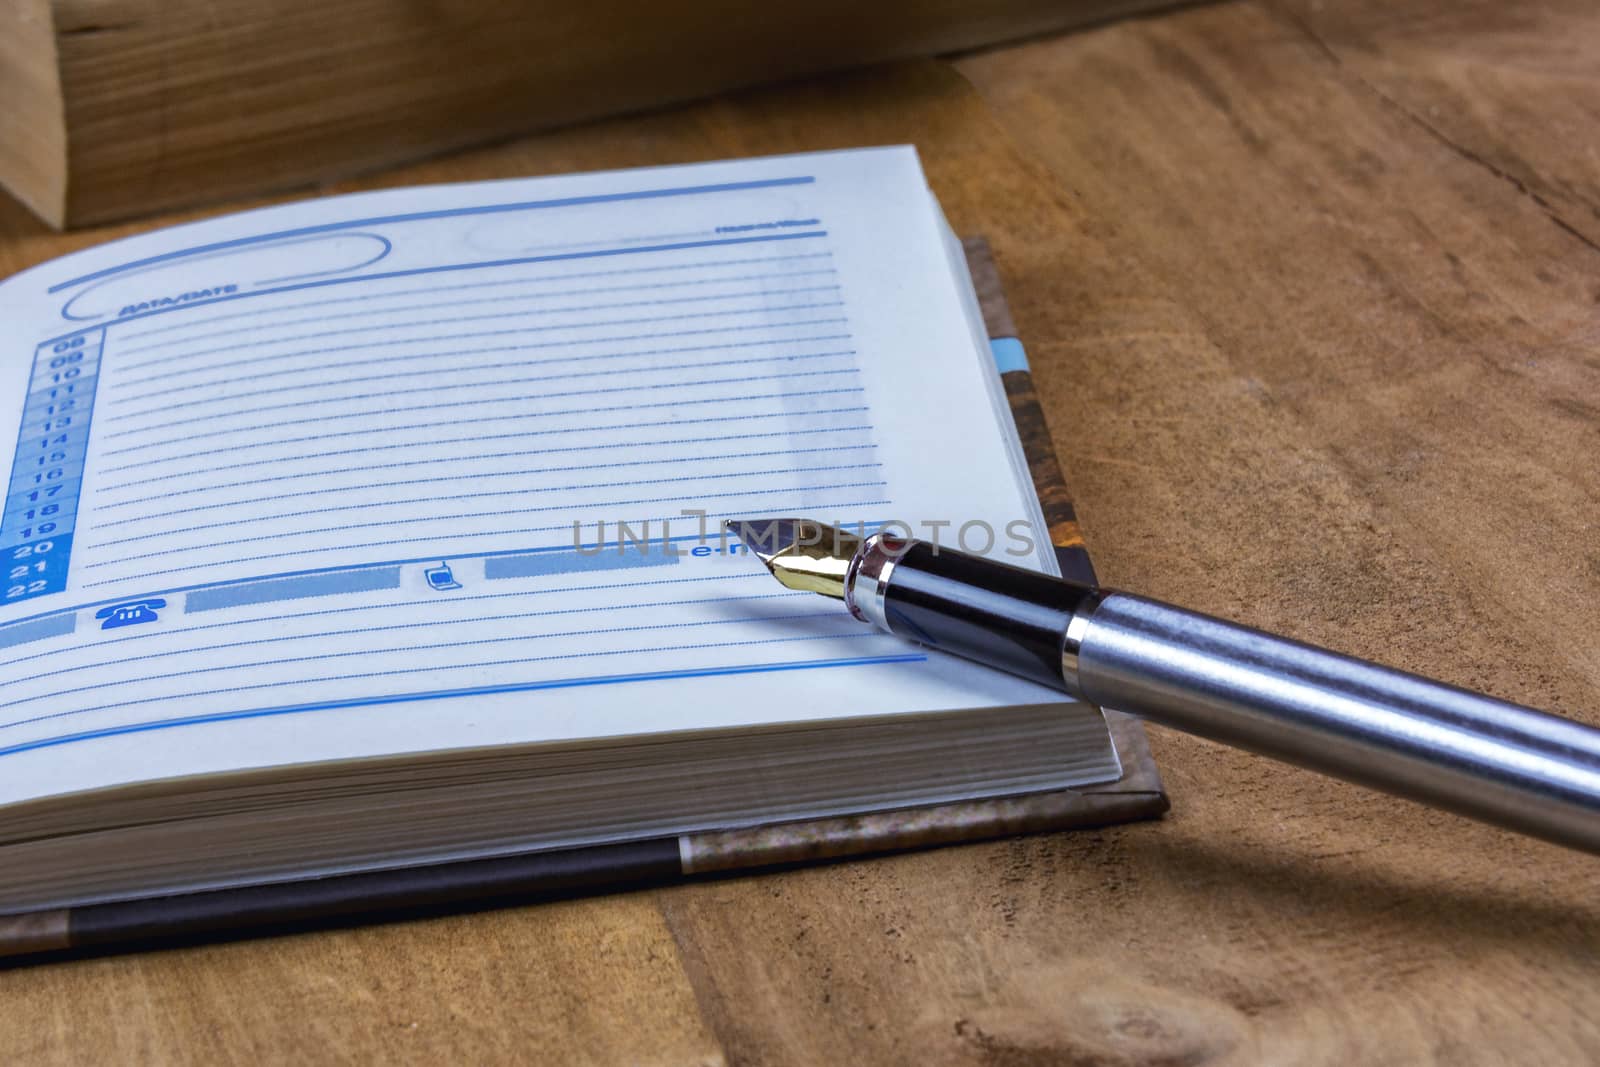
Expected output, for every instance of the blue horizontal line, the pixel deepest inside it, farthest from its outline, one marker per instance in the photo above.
(322, 320)
(429, 601)
(658, 368)
(432, 290)
(391, 311)
(362, 566)
(454, 477)
(445, 213)
(477, 642)
(167, 408)
(475, 403)
(497, 533)
(406, 698)
(494, 383)
(380, 523)
(431, 624)
(483, 317)
(432, 600)
(395, 672)
(483, 265)
(478, 456)
(492, 349)
(449, 424)
(516, 331)
(172, 590)
(515, 490)
(567, 343)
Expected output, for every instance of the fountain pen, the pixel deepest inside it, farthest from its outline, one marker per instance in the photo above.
(1401, 733)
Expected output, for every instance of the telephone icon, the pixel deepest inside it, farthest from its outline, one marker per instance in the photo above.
(131, 613)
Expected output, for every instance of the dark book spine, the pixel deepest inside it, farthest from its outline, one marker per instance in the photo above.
(287, 907)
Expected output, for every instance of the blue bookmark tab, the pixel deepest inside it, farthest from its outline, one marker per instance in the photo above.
(1008, 354)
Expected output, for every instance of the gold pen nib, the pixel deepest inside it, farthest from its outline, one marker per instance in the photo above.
(801, 554)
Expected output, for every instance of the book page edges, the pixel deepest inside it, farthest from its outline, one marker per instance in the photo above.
(1137, 795)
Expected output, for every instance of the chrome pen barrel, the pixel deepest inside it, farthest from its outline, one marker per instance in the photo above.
(1393, 731)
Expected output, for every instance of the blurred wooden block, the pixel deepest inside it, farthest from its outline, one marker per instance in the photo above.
(120, 108)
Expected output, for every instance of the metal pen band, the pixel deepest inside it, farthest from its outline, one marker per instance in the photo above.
(867, 580)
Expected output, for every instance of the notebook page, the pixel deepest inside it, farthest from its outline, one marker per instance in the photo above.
(301, 483)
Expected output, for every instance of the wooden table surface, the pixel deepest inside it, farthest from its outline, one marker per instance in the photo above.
(1312, 292)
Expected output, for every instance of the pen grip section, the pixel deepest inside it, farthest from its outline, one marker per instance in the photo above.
(1008, 618)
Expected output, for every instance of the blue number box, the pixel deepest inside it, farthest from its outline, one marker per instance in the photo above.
(41, 503)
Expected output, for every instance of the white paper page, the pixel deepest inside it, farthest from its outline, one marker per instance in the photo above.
(300, 484)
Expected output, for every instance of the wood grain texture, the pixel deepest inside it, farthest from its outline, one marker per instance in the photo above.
(163, 103)
(560, 983)
(1307, 365)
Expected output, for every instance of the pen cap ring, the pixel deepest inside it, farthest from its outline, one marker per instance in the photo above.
(866, 583)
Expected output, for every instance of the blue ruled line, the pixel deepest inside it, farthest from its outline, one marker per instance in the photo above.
(448, 387)
(472, 403)
(434, 289)
(452, 479)
(656, 368)
(516, 491)
(479, 642)
(482, 265)
(505, 299)
(433, 601)
(492, 349)
(568, 431)
(430, 557)
(434, 625)
(702, 298)
(518, 332)
(444, 213)
(409, 698)
(476, 455)
(482, 515)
